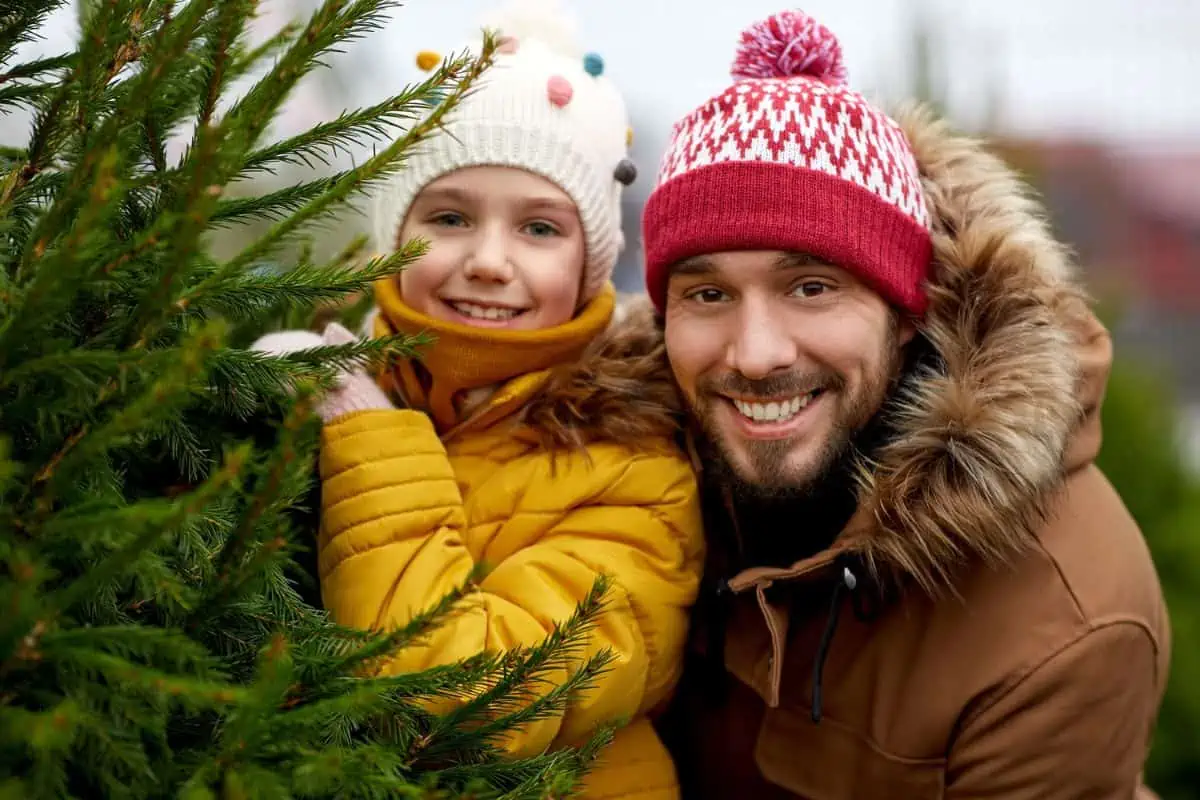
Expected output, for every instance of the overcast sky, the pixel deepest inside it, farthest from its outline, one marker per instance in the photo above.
(1120, 69)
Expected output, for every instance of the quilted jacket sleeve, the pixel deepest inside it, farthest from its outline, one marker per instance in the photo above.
(392, 544)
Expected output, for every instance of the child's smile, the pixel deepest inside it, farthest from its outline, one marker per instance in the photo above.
(484, 315)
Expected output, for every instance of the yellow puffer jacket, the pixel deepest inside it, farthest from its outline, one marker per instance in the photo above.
(406, 516)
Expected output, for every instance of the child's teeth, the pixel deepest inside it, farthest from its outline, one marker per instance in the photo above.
(775, 411)
(484, 312)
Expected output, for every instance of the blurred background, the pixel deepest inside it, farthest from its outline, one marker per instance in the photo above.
(1093, 100)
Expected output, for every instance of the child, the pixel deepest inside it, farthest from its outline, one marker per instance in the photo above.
(537, 438)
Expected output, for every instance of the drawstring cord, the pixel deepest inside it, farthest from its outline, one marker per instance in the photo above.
(848, 583)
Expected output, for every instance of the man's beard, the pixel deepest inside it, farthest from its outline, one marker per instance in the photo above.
(770, 515)
(768, 475)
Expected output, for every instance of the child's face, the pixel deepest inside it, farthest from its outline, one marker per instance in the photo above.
(506, 250)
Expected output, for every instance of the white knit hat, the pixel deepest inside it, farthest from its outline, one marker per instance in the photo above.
(544, 106)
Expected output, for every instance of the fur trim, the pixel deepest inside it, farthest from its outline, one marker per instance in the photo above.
(620, 390)
(982, 428)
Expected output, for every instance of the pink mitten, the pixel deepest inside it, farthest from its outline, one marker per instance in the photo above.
(355, 391)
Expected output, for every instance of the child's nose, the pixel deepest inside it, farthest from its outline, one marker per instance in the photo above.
(489, 259)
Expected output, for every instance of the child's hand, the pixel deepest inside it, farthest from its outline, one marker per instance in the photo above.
(355, 391)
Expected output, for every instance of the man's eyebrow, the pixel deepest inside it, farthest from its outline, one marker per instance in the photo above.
(696, 265)
(703, 265)
(793, 260)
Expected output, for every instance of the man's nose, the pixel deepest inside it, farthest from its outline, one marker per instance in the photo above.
(489, 258)
(761, 344)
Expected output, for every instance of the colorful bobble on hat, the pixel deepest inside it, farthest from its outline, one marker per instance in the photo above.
(559, 90)
(427, 60)
(626, 172)
(593, 65)
(790, 44)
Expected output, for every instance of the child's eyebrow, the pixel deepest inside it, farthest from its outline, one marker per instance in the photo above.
(550, 203)
(452, 194)
(448, 194)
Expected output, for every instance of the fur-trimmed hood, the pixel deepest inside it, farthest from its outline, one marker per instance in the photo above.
(1018, 370)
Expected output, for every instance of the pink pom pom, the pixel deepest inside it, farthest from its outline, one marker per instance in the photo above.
(790, 44)
(559, 90)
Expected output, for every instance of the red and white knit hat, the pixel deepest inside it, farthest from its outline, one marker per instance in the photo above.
(789, 158)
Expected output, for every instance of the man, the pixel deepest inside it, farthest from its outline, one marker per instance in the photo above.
(924, 588)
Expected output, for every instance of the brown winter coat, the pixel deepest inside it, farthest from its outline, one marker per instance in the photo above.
(994, 623)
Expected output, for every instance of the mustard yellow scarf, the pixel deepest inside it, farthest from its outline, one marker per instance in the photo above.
(462, 358)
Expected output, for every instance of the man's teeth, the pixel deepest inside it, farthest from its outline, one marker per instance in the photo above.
(484, 312)
(778, 411)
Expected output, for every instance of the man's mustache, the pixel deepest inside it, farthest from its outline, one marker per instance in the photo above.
(784, 384)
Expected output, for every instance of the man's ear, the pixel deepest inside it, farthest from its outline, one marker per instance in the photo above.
(906, 329)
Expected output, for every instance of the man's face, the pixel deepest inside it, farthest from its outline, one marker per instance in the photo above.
(782, 360)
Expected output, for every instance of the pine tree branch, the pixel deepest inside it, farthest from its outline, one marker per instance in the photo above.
(192, 694)
(379, 166)
(266, 492)
(487, 714)
(110, 567)
(64, 599)
(164, 648)
(276, 205)
(249, 293)
(228, 27)
(20, 23)
(161, 398)
(321, 143)
(42, 144)
(185, 448)
(29, 94)
(280, 40)
(153, 513)
(21, 95)
(274, 676)
(32, 69)
(91, 365)
(200, 197)
(52, 287)
(370, 655)
(93, 65)
(324, 361)
(329, 25)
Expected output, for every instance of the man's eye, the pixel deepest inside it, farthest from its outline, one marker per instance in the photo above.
(707, 295)
(810, 289)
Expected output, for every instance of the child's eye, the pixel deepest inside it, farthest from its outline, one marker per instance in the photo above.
(449, 219)
(541, 229)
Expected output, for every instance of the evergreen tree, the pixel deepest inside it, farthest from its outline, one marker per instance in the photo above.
(156, 479)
